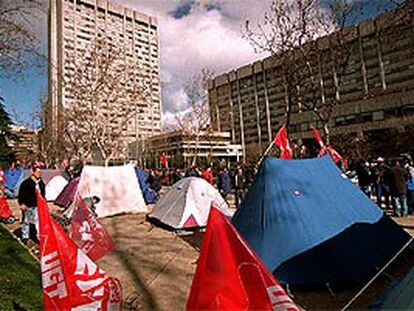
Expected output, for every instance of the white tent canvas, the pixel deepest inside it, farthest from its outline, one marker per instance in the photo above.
(116, 186)
(188, 203)
(54, 187)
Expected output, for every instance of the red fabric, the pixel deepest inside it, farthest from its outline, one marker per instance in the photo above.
(208, 175)
(164, 160)
(88, 232)
(336, 157)
(190, 222)
(2, 178)
(5, 211)
(318, 137)
(229, 276)
(282, 141)
(70, 278)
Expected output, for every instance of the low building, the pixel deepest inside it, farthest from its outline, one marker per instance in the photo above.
(182, 149)
(375, 92)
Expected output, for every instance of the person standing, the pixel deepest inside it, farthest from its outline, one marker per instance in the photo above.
(224, 183)
(364, 178)
(240, 186)
(399, 179)
(27, 200)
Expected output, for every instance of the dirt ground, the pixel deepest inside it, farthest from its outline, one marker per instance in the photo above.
(156, 266)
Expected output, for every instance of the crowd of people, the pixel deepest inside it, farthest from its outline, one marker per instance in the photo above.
(389, 183)
(226, 181)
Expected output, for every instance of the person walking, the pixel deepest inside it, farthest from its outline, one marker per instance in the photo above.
(27, 199)
(399, 179)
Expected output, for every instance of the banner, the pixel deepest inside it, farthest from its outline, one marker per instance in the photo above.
(229, 276)
(70, 279)
(88, 232)
(282, 141)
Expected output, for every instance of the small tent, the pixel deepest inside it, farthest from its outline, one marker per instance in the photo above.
(68, 193)
(14, 179)
(401, 297)
(149, 194)
(116, 186)
(48, 175)
(54, 187)
(310, 225)
(187, 204)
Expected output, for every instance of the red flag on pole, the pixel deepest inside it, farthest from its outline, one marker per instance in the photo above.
(318, 137)
(229, 276)
(87, 231)
(336, 157)
(70, 279)
(282, 141)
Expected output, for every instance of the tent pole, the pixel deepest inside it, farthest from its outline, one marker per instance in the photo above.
(377, 275)
(264, 155)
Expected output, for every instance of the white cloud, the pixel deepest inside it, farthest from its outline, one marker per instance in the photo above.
(206, 37)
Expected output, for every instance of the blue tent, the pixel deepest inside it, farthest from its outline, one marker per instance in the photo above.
(14, 178)
(401, 297)
(310, 225)
(149, 194)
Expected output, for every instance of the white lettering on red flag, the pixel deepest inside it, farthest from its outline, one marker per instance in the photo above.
(88, 232)
(70, 279)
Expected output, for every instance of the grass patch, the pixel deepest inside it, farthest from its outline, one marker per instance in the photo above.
(20, 281)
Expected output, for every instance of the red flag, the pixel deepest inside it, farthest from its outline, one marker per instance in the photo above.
(5, 211)
(229, 276)
(336, 157)
(282, 141)
(318, 137)
(87, 231)
(70, 279)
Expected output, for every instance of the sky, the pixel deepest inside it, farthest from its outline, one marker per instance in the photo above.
(193, 34)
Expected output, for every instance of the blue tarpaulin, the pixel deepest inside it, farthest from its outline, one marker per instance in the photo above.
(149, 194)
(304, 217)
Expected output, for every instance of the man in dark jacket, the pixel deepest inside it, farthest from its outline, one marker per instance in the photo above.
(224, 183)
(399, 179)
(27, 200)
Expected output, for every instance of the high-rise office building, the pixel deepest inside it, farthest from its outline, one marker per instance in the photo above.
(74, 27)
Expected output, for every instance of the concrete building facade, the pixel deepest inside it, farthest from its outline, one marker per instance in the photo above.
(74, 27)
(208, 146)
(376, 90)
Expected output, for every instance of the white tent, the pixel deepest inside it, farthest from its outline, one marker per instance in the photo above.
(54, 187)
(188, 203)
(116, 186)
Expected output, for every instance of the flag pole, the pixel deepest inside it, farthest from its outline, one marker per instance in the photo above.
(264, 155)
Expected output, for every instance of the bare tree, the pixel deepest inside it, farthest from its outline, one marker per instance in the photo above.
(19, 46)
(104, 95)
(195, 120)
(289, 31)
